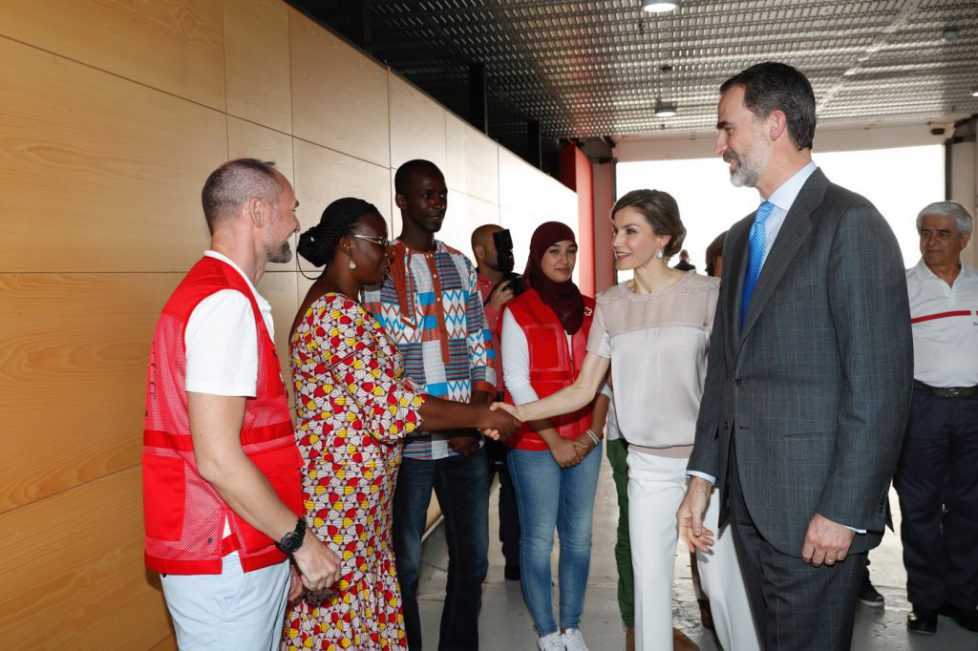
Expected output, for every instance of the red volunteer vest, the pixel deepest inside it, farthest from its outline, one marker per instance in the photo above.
(551, 366)
(183, 514)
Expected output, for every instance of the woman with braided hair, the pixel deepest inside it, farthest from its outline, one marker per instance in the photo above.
(353, 406)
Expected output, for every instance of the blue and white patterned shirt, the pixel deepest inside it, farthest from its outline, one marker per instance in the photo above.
(430, 306)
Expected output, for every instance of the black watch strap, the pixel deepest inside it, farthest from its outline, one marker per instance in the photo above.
(292, 541)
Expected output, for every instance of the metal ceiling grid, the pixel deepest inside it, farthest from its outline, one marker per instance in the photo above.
(595, 68)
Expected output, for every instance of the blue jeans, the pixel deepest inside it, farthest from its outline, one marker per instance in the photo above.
(462, 486)
(549, 497)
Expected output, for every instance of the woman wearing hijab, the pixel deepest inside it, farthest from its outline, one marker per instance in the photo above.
(554, 472)
(353, 407)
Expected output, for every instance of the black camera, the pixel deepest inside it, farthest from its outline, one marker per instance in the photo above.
(504, 260)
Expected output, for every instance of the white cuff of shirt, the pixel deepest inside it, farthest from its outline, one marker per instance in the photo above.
(713, 480)
(702, 475)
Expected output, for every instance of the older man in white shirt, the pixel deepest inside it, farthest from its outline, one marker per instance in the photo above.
(936, 478)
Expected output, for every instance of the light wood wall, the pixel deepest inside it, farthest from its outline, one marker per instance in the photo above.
(113, 112)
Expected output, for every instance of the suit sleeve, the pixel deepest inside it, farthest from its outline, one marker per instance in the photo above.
(705, 458)
(869, 306)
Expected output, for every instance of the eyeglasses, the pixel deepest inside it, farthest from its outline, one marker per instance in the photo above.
(382, 241)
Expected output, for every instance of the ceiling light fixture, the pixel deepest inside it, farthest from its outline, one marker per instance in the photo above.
(974, 91)
(660, 6)
(665, 109)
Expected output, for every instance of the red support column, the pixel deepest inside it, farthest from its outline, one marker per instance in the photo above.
(576, 174)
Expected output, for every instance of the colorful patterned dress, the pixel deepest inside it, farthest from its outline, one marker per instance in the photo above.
(353, 407)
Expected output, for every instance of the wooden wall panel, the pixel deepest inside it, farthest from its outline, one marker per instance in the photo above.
(394, 219)
(524, 188)
(528, 198)
(176, 46)
(323, 175)
(114, 112)
(249, 140)
(417, 125)
(482, 212)
(280, 289)
(339, 96)
(460, 221)
(72, 571)
(169, 644)
(515, 183)
(99, 173)
(73, 377)
(472, 164)
(256, 43)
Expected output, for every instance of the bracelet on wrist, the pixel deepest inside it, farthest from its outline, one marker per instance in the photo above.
(594, 437)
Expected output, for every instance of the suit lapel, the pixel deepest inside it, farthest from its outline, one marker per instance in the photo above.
(735, 266)
(796, 228)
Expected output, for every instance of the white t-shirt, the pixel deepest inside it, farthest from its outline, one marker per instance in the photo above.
(222, 341)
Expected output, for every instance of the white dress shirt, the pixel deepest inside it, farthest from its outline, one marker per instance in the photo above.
(782, 199)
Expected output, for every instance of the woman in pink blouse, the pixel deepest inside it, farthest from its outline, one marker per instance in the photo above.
(653, 332)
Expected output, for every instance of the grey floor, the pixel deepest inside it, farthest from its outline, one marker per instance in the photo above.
(505, 625)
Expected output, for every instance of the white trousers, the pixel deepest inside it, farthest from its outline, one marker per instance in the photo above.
(656, 486)
(231, 611)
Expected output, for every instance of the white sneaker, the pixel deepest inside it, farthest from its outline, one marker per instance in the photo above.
(552, 642)
(573, 640)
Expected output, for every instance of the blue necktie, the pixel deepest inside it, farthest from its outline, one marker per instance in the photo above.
(755, 243)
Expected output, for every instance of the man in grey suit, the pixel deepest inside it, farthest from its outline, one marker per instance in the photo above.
(810, 369)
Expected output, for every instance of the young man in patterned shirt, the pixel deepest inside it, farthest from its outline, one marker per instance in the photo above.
(431, 307)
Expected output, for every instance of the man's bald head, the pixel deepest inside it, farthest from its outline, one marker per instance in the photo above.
(232, 184)
(482, 236)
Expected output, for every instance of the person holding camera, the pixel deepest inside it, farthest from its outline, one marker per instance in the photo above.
(492, 247)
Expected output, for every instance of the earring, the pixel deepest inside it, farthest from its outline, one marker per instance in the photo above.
(353, 265)
(658, 253)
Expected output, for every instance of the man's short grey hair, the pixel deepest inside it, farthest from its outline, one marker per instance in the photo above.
(234, 183)
(962, 218)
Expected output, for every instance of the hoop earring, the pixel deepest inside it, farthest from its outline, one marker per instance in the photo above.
(353, 265)
(658, 253)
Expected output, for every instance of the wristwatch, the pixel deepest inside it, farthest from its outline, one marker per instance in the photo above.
(292, 541)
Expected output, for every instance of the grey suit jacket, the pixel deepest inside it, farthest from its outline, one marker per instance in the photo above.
(816, 388)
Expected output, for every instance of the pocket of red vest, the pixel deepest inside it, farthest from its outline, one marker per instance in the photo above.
(164, 496)
(282, 466)
(546, 354)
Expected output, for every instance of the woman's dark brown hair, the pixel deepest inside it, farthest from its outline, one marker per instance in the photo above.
(662, 213)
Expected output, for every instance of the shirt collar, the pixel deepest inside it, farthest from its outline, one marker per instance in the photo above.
(484, 280)
(788, 191)
(223, 258)
(923, 272)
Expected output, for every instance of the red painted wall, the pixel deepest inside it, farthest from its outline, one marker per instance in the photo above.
(576, 174)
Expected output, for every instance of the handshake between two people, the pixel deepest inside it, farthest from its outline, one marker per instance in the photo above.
(493, 424)
(567, 452)
(499, 424)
